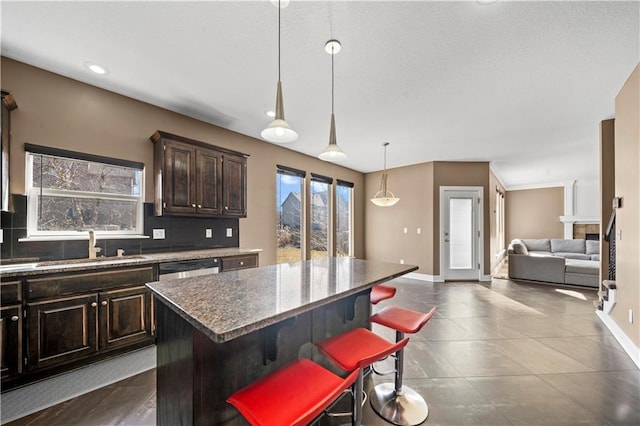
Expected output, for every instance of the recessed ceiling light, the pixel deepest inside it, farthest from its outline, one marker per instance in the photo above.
(95, 68)
(269, 113)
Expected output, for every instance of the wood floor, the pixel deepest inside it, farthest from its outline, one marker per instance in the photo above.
(500, 353)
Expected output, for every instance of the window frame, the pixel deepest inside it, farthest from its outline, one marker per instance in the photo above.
(350, 186)
(33, 193)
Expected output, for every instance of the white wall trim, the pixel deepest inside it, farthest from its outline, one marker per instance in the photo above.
(497, 176)
(486, 278)
(424, 277)
(534, 186)
(627, 344)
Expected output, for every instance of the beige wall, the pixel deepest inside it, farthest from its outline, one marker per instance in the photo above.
(627, 186)
(495, 255)
(60, 112)
(607, 189)
(535, 213)
(418, 188)
(385, 239)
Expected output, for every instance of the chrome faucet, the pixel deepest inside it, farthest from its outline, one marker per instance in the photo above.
(93, 250)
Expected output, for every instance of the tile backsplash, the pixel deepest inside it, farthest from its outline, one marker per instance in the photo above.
(181, 233)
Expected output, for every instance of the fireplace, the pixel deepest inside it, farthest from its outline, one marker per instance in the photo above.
(586, 231)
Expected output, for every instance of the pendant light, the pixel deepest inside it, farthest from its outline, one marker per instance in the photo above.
(333, 151)
(384, 197)
(279, 130)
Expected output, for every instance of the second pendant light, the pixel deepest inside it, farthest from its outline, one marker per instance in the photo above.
(332, 152)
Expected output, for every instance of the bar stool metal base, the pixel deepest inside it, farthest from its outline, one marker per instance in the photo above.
(407, 409)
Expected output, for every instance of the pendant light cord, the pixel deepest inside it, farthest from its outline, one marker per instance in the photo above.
(332, 76)
(278, 40)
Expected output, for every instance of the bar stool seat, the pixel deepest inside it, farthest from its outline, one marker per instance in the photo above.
(293, 395)
(381, 292)
(394, 402)
(354, 350)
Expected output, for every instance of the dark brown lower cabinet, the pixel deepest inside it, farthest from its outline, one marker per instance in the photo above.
(125, 317)
(10, 341)
(61, 330)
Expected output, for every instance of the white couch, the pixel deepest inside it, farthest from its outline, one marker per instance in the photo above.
(561, 261)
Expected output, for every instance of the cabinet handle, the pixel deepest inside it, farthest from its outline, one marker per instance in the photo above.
(193, 205)
(199, 206)
(94, 304)
(14, 318)
(104, 303)
(241, 263)
(226, 207)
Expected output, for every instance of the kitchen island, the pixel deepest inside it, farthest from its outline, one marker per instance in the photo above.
(217, 333)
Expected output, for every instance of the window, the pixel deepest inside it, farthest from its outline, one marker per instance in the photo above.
(69, 192)
(344, 218)
(320, 208)
(289, 209)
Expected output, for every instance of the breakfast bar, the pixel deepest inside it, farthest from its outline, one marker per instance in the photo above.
(217, 333)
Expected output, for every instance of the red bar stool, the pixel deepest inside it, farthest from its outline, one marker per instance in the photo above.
(394, 402)
(381, 292)
(354, 350)
(293, 395)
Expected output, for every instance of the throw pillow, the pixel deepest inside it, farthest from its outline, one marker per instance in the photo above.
(519, 248)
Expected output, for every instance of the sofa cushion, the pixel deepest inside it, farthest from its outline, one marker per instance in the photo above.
(581, 256)
(595, 257)
(537, 245)
(519, 248)
(588, 267)
(541, 254)
(567, 246)
(593, 247)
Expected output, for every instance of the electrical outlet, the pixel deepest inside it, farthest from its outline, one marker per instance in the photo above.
(405, 230)
(630, 316)
(229, 232)
(402, 261)
(158, 234)
(419, 231)
(208, 233)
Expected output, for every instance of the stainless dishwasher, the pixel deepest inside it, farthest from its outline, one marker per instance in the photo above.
(188, 268)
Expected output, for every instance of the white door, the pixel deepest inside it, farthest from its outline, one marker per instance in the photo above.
(460, 234)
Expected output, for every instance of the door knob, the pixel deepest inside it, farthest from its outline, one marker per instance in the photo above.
(193, 205)
(94, 304)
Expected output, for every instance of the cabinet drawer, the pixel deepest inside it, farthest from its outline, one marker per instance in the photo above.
(10, 292)
(239, 262)
(88, 282)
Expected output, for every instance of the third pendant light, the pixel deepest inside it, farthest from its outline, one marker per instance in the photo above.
(332, 152)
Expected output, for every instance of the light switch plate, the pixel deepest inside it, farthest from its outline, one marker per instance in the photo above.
(208, 233)
(158, 234)
(229, 232)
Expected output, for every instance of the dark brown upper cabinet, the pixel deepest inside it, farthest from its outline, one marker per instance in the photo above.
(194, 178)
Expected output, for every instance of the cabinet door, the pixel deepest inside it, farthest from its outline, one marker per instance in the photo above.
(208, 182)
(61, 330)
(124, 317)
(179, 172)
(234, 181)
(10, 341)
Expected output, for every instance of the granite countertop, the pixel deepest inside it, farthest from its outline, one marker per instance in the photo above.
(50, 267)
(228, 305)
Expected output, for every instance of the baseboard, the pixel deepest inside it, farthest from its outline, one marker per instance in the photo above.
(424, 277)
(486, 277)
(627, 344)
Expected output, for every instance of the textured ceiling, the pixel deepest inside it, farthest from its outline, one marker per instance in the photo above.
(523, 85)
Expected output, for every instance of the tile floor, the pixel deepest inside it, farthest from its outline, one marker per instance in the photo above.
(499, 353)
